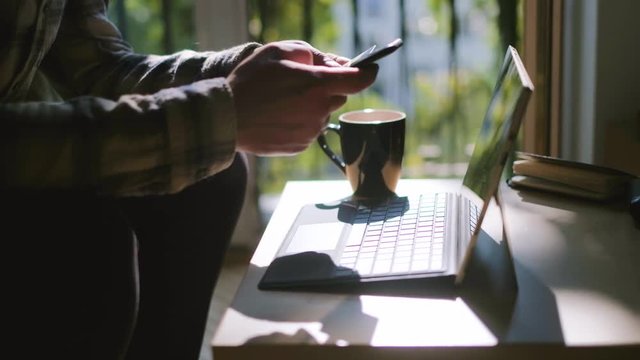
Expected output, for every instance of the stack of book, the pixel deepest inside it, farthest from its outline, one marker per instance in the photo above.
(569, 177)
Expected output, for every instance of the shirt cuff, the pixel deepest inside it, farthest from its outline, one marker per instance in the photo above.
(221, 63)
(202, 139)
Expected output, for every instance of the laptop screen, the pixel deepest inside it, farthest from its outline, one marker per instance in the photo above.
(498, 131)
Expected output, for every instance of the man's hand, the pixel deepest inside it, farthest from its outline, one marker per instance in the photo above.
(284, 93)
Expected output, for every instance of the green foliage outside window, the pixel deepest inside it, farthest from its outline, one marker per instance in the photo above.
(448, 103)
(144, 24)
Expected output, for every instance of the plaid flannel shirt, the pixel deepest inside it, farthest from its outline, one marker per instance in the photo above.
(80, 109)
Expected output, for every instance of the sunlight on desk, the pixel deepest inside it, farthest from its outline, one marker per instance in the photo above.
(267, 331)
(409, 323)
(616, 323)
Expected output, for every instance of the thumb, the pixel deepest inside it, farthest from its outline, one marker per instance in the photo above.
(345, 83)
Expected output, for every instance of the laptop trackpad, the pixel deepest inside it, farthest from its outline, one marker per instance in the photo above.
(322, 237)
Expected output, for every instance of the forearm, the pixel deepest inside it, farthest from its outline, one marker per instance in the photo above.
(139, 144)
(115, 74)
(90, 57)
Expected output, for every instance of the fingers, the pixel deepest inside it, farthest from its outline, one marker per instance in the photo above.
(294, 51)
(337, 80)
(335, 59)
(327, 68)
(329, 61)
(319, 58)
(352, 83)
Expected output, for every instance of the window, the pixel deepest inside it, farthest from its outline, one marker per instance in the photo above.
(155, 26)
(442, 77)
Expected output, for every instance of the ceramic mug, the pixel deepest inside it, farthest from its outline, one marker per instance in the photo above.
(372, 144)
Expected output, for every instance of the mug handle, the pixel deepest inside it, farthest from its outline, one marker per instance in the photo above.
(322, 141)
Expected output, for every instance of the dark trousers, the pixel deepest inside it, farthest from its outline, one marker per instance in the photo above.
(91, 277)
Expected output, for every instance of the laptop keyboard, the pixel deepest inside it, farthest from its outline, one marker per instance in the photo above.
(400, 236)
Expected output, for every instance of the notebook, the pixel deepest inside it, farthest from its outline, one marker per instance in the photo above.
(429, 237)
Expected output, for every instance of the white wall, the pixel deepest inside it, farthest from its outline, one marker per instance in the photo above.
(618, 85)
(220, 23)
(601, 97)
(579, 64)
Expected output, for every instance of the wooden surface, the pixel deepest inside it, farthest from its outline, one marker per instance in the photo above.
(577, 266)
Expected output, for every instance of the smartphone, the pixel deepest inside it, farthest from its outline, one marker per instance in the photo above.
(373, 54)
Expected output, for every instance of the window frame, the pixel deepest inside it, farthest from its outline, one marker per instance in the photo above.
(542, 55)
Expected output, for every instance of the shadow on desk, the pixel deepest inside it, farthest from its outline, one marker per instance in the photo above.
(340, 316)
(507, 298)
(512, 310)
(597, 248)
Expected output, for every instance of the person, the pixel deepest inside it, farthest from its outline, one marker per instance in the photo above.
(122, 174)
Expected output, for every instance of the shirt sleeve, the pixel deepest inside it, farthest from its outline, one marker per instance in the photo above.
(131, 124)
(136, 145)
(89, 56)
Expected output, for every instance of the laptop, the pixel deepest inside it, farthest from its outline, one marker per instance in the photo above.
(429, 237)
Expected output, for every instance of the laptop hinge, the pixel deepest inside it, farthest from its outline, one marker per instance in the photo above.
(454, 236)
(462, 229)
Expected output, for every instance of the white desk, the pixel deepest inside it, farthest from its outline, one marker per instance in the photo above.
(577, 266)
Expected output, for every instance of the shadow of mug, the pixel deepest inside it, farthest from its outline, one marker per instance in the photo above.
(372, 144)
